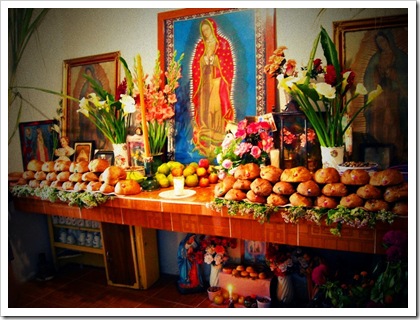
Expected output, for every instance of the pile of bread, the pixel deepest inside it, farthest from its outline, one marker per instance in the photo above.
(94, 175)
(245, 272)
(325, 188)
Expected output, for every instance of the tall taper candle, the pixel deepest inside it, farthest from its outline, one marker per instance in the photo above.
(143, 107)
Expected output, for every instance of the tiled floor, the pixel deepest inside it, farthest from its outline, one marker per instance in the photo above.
(86, 287)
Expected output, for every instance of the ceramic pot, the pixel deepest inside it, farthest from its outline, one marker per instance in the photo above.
(120, 155)
(332, 156)
(213, 291)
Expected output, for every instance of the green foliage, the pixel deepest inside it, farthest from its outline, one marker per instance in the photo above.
(260, 212)
(23, 24)
(83, 199)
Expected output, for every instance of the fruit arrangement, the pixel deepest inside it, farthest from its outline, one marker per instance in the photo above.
(196, 174)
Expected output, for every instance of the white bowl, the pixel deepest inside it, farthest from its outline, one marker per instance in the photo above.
(265, 303)
(372, 166)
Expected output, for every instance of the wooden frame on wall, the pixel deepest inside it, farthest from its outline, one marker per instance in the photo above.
(104, 68)
(377, 51)
(250, 34)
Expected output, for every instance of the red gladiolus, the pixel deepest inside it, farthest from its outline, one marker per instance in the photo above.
(317, 66)
(121, 89)
(350, 79)
(330, 75)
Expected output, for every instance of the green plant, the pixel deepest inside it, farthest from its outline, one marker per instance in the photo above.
(325, 93)
(23, 24)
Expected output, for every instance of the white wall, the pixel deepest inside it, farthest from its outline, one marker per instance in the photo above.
(72, 33)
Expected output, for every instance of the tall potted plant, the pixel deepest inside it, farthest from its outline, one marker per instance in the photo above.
(324, 94)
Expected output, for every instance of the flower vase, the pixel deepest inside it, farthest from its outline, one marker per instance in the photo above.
(285, 291)
(157, 161)
(332, 156)
(150, 183)
(214, 275)
(120, 154)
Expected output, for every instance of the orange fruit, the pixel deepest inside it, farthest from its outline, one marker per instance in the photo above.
(218, 299)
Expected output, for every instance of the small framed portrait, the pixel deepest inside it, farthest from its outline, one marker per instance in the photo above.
(38, 140)
(105, 154)
(83, 150)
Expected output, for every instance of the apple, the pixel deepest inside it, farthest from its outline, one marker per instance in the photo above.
(204, 182)
(213, 178)
(204, 163)
(201, 172)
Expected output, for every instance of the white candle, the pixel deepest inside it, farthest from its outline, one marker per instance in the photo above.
(275, 158)
(179, 185)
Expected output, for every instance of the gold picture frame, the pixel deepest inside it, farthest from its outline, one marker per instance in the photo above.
(104, 68)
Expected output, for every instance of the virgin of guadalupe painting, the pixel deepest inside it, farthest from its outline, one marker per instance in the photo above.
(377, 51)
(223, 51)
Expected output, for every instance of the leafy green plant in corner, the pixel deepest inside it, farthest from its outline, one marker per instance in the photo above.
(23, 24)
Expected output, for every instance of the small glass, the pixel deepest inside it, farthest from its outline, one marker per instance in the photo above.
(179, 185)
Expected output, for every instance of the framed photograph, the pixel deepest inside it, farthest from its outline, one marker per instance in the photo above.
(37, 140)
(105, 154)
(105, 69)
(223, 79)
(376, 50)
(382, 154)
(83, 150)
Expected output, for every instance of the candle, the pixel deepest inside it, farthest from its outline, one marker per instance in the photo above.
(230, 290)
(275, 158)
(142, 106)
(179, 185)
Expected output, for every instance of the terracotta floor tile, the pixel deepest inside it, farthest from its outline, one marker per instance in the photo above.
(86, 287)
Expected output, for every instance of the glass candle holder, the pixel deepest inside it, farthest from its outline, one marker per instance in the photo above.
(179, 185)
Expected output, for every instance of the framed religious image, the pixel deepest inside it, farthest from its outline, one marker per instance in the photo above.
(223, 79)
(254, 251)
(376, 50)
(83, 151)
(381, 154)
(38, 141)
(103, 68)
(105, 154)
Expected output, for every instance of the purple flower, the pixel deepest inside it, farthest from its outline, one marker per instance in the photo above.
(394, 253)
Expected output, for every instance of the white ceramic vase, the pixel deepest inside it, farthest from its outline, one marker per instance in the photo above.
(120, 155)
(285, 291)
(214, 275)
(332, 156)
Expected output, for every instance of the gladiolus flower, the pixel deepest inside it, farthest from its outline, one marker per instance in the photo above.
(330, 75)
(290, 67)
(348, 80)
